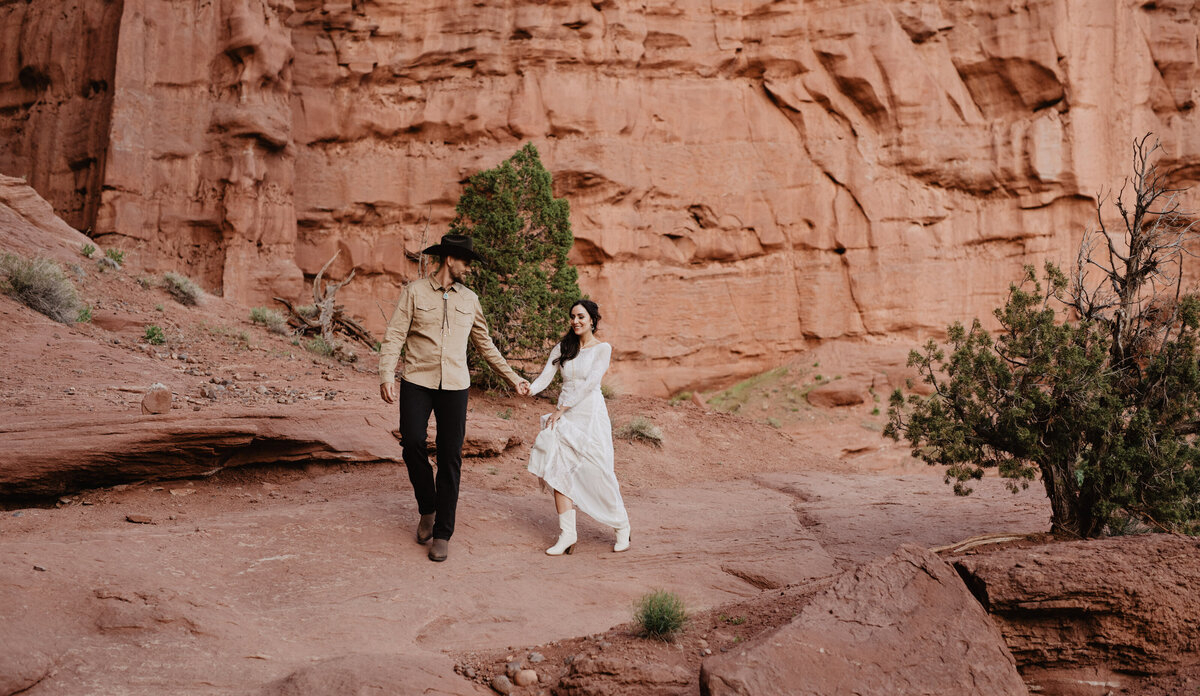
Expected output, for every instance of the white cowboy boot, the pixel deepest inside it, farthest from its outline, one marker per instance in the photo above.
(566, 537)
(622, 539)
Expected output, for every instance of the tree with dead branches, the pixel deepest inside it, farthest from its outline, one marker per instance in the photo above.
(326, 316)
(1091, 383)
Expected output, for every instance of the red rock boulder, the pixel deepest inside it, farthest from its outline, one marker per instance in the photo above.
(904, 624)
(1093, 616)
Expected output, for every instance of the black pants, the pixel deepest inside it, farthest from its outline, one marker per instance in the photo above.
(449, 408)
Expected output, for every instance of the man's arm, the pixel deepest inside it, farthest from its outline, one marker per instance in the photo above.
(482, 341)
(393, 342)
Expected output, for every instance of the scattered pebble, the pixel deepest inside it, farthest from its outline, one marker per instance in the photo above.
(469, 673)
(512, 668)
(18, 513)
(525, 677)
(40, 569)
(501, 684)
(69, 390)
(536, 657)
(139, 519)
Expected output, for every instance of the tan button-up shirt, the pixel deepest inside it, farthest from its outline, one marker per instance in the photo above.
(433, 327)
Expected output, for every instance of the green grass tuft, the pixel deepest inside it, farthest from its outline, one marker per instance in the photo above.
(660, 615)
(269, 318)
(154, 335)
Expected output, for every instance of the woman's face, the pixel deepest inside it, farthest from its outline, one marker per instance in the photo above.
(581, 322)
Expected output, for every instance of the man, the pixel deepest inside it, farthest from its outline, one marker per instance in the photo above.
(433, 321)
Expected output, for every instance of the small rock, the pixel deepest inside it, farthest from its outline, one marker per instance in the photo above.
(707, 651)
(40, 569)
(65, 499)
(157, 399)
(182, 356)
(18, 513)
(605, 644)
(261, 389)
(469, 673)
(501, 684)
(512, 668)
(139, 519)
(536, 657)
(69, 390)
(208, 391)
(525, 677)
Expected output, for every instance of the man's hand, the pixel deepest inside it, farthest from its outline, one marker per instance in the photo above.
(388, 392)
(523, 388)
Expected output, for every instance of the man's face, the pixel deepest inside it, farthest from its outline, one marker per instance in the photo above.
(458, 267)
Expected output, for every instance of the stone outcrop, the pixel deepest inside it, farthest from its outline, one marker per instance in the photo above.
(613, 676)
(365, 674)
(746, 179)
(31, 228)
(904, 624)
(89, 451)
(1094, 611)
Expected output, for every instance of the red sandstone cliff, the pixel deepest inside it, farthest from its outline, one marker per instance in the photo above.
(746, 178)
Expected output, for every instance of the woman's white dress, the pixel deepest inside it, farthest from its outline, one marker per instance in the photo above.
(575, 457)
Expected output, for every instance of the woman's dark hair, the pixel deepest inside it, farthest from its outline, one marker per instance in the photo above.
(569, 345)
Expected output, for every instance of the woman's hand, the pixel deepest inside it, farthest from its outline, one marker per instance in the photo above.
(554, 417)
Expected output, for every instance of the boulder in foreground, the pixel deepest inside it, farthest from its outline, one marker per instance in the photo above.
(1082, 613)
(901, 625)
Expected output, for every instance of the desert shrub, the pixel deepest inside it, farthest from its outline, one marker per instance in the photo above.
(269, 318)
(115, 255)
(181, 288)
(681, 397)
(320, 346)
(154, 335)
(640, 428)
(607, 391)
(88, 250)
(85, 314)
(660, 614)
(41, 285)
(525, 284)
(1091, 384)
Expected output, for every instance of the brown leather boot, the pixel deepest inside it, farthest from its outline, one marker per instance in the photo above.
(425, 528)
(439, 549)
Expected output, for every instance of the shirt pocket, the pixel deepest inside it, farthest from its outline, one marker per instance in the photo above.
(427, 315)
(463, 316)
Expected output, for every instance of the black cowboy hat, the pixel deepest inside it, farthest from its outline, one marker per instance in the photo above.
(456, 245)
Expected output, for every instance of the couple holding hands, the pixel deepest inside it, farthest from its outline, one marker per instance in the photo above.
(573, 454)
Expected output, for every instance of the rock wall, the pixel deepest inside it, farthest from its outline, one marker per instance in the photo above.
(746, 178)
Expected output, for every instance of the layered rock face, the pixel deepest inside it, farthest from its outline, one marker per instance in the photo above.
(746, 178)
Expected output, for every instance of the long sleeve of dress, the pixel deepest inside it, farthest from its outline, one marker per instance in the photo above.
(592, 382)
(547, 375)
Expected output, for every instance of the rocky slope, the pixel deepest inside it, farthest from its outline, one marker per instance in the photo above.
(746, 178)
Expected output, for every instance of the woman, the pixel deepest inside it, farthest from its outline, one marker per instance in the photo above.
(573, 454)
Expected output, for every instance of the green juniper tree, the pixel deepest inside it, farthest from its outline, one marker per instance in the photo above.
(1092, 381)
(525, 284)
